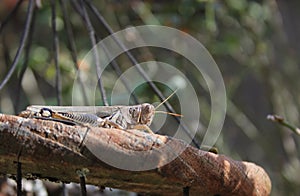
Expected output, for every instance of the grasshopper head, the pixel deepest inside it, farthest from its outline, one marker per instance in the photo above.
(140, 114)
(147, 114)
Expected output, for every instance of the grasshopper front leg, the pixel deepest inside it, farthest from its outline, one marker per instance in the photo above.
(130, 118)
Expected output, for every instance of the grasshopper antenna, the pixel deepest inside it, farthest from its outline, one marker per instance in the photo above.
(170, 113)
(166, 99)
(163, 112)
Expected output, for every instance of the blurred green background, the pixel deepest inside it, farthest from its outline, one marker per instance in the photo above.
(254, 43)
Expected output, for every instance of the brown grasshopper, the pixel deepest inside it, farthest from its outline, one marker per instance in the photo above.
(120, 117)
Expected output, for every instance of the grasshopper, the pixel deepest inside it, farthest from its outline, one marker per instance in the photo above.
(120, 117)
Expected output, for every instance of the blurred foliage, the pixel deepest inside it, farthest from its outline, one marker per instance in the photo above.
(246, 38)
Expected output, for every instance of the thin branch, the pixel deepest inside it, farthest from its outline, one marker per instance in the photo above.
(25, 64)
(118, 71)
(56, 53)
(72, 46)
(9, 16)
(23, 40)
(19, 174)
(55, 151)
(114, 64)
(91, 31)
(281, 121)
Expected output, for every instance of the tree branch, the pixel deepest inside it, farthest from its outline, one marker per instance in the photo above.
(55, 151)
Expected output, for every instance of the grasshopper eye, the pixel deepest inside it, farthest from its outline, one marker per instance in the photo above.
(147, 108)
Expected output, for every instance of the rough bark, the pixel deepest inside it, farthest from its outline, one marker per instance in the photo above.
(55, 151)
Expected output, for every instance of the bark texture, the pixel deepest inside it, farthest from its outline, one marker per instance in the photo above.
(56, 151)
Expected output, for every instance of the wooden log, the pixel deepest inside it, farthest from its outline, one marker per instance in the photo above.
(55, 151)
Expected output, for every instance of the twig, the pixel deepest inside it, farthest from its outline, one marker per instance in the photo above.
(82, 174)
(281, 121)
(72, 48)
(119, 73)
(23, 40)
(19, 174)
(56, 53)
(8, 17)
(82, 11)
(25, 64)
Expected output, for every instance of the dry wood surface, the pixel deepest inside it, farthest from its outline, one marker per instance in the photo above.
(55, 151)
